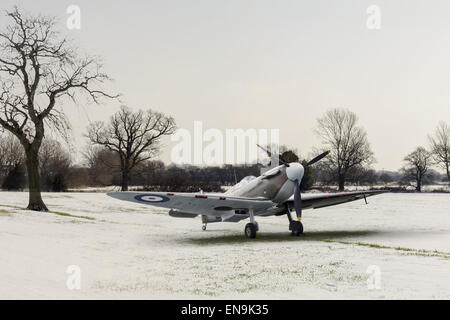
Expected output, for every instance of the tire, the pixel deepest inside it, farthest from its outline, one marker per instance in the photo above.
(296, 227)
(250, 230)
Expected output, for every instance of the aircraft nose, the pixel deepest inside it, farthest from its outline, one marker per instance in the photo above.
(295, 171)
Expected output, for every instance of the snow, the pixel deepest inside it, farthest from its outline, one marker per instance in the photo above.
(133, 251)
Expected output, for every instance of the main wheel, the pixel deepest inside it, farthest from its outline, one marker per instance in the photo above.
(296, 227)
(250, 230)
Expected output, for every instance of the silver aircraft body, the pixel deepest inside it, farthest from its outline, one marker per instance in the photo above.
(276, 192)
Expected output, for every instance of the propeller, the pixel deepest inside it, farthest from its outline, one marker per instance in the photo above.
(298, 201)
(297, 178)
(270, 156)
(295, 172)
(319, 157)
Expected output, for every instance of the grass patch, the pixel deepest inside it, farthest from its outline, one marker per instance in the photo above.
(407, 251)
(65, 214)
(12, 207)
(362, 244)
(5, 212)
(59, 213)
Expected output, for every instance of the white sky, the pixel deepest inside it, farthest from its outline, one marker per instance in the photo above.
(271, 64)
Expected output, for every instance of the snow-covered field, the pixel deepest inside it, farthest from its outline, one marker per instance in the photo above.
(127, 250)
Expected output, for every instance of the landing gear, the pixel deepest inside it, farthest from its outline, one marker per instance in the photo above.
(204, 222)
(252, 227)
(295, 226)
(250, 230)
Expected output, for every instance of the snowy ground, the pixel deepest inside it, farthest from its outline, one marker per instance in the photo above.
(129, 250)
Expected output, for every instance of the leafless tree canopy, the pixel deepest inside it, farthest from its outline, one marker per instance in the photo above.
(52, 155)
(103, 165)
(347, 141)
(11, 152)
(55, 166)
(38, 69)
(134, 136)
(440, 147)
(417, 165)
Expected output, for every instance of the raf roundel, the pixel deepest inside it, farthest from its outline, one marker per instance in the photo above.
(151, 198)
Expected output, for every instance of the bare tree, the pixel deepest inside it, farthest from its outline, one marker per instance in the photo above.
(134, 136)
(347, 141)
(103, 165)
(11, 152)
(38, 70)
(440, 147)
(417, 165)
(11, 162)
(54, 165)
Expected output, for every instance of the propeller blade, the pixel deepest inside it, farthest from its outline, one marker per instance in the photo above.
(264, 149)
(298, 200)
(319, 157)
(270, 155)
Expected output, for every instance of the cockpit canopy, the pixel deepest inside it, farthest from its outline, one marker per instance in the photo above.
(241, 183)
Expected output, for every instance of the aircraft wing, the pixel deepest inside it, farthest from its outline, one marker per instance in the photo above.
(321, 200)
(194, 204)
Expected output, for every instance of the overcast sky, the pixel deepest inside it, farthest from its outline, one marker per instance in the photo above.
(271, 64)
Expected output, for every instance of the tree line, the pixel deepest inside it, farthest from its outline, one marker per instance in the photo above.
(351, 156)
(104, 167)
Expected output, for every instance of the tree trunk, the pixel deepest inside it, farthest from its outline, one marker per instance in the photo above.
(125, 180)
(34, 184)
(448, 173)
(341, 181)
(419, 185)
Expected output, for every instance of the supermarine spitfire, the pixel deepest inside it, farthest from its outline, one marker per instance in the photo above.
(275, 192)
